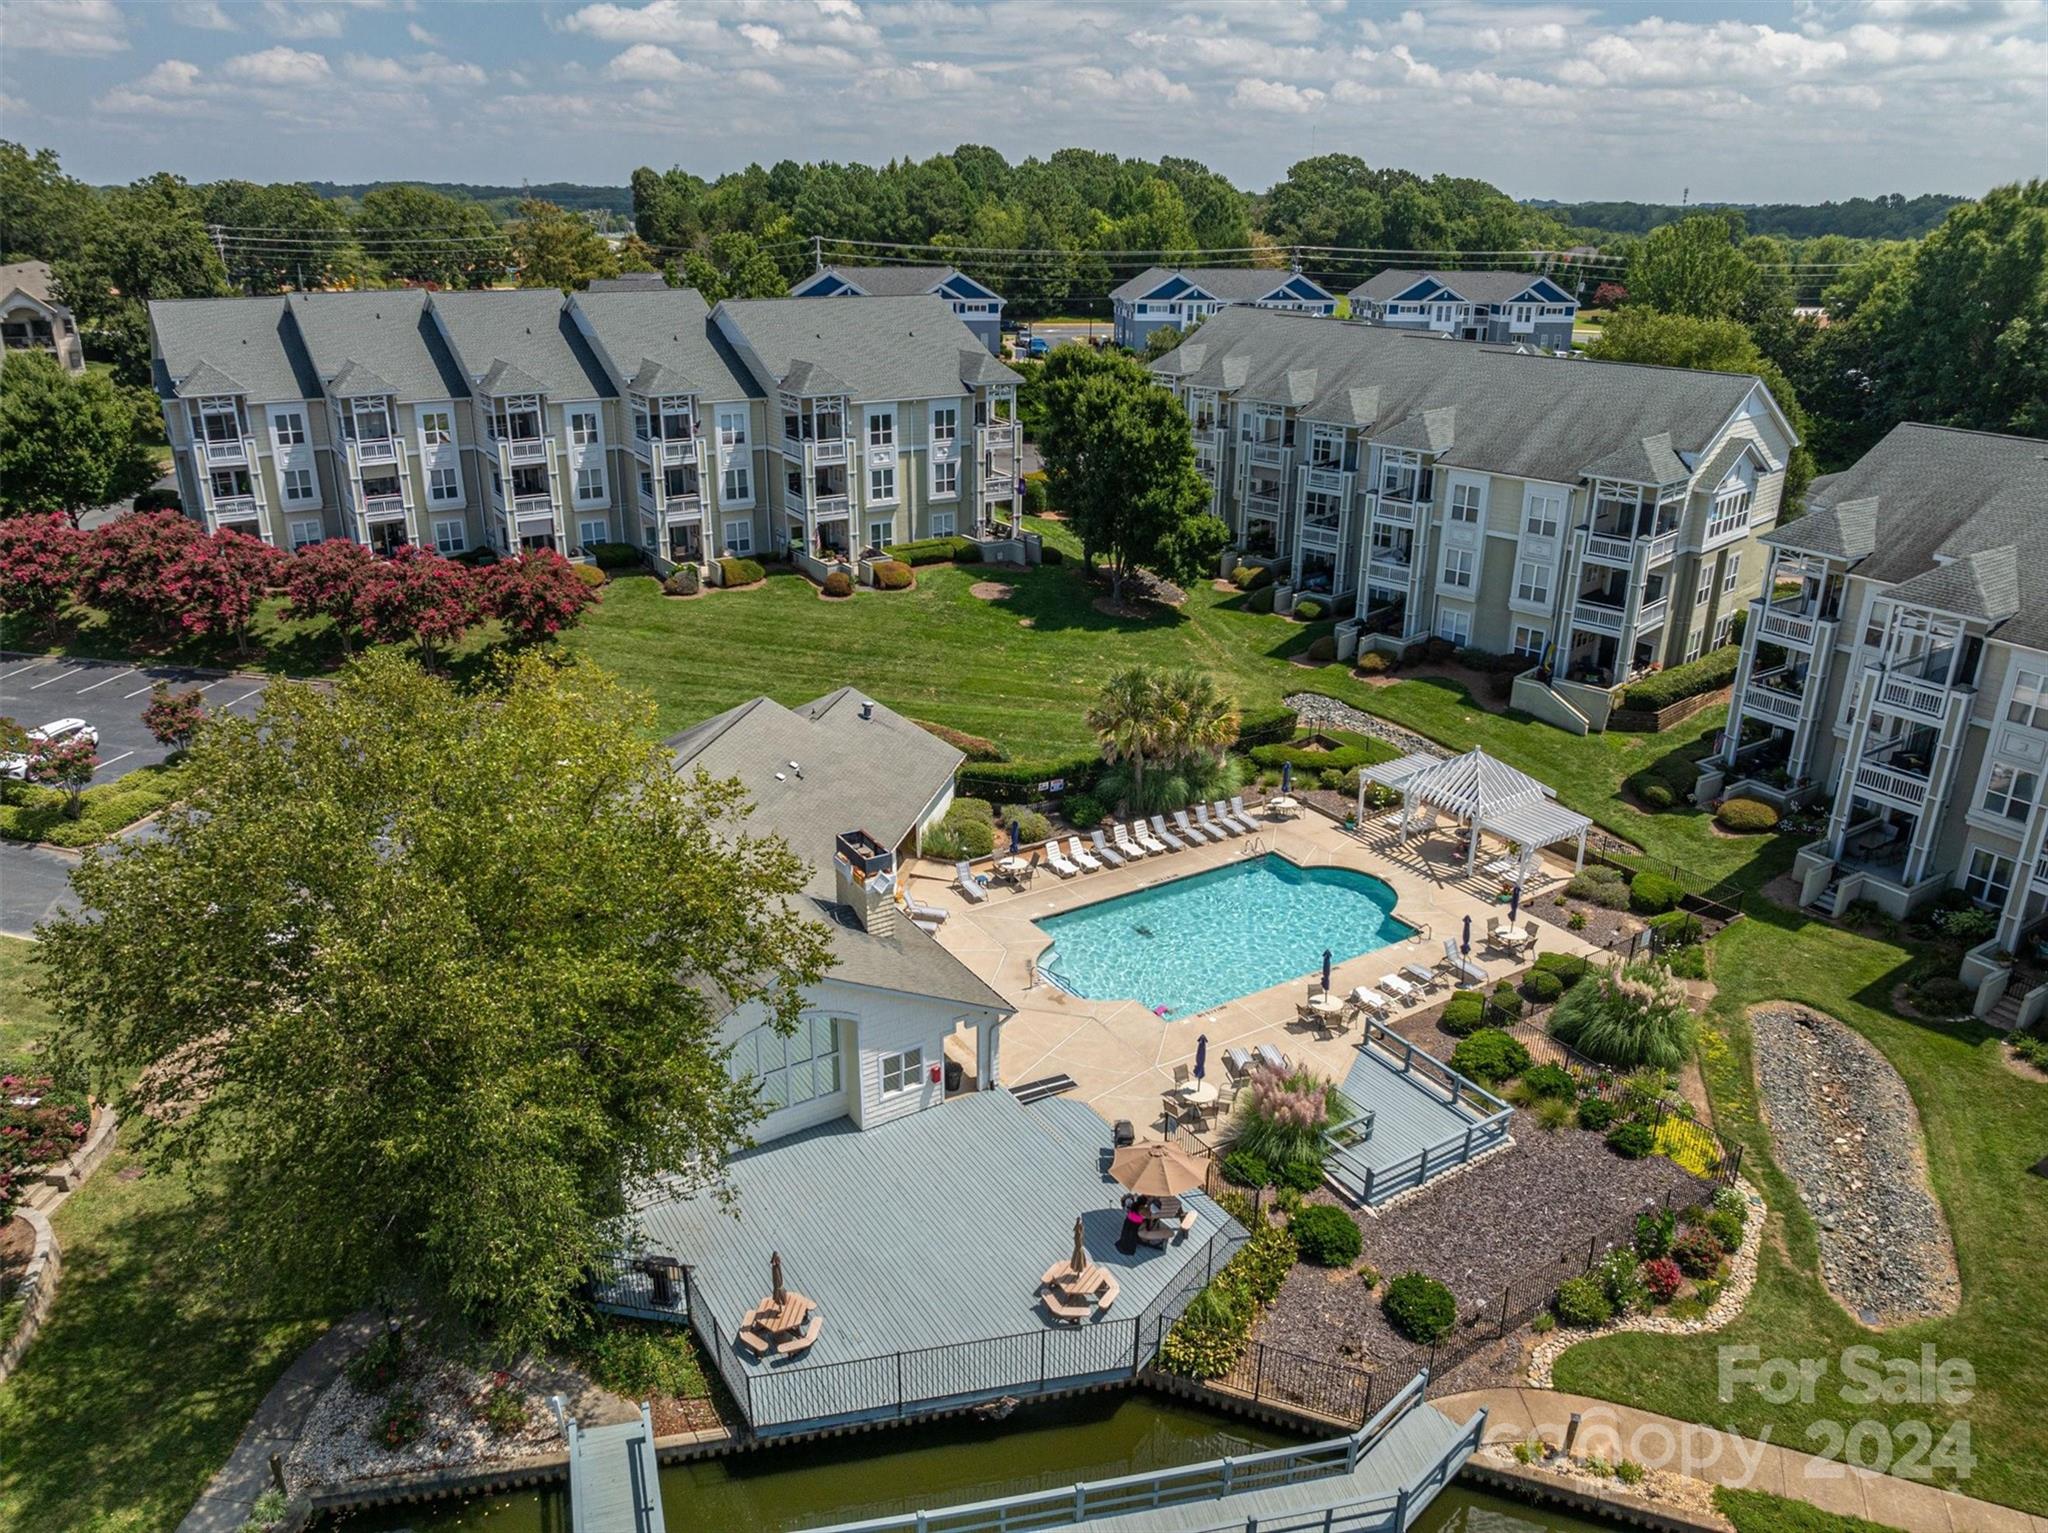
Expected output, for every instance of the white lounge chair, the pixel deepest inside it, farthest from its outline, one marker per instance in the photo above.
(964, 880)
(1166, 837)
(1242, 826)
(1195, 834)
(1083, 858)
(1216, 829)
(1460, 965)
(1244, 815)
(1370, 1000)
(923, 914)
(1399, 988)
(1142, 834)
(1057, 861)
(1103, 850)
(1273, 1059)
(1132, 850)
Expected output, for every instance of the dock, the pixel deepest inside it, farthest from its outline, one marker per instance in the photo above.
(614, 1483)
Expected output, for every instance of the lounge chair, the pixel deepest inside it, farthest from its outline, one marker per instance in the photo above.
(1131, 849)
(1370, 1000)
(1083, 858)
(1216, 828)
(1103, 850)
(965, 881)
(1237, 1064)
(1142, 834)
(923, 914)
(1459, 965)
(1399, 988)
(1166, 837)
(1244, 815)
(1273, 1059)
(1244, 823)
(1195, 834)
(1057, 861)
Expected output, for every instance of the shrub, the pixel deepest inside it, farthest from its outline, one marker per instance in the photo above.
(614, 556)
(1541, 986)
(1274, 727)
(1543, 1324)
(1322, 650)
(1697, 1252)
(1581, 1301)
(1746, 816)
(1549, 1080)
(1246, 1169)
(1253, 577)
(1657, 795)
(1576, 921)
(1555, 1113)
(1326, 1236)
(1651, 893)
(1507, 999)
(1489, 1056)
(1662, 1277)
(1037, 496)
(838, 583)
(1281, 1119)
(1600, 885)
(401, 1421)
(1631, 1141)
(1083, 811)
(380, 1364)
(1569, 968)
(641, 1358)
(1047, 554)
(1351, 751)
(1725, 1228)
(1463, 1014)
(1626, 1018)
(1944, 996)
(1676, 928)
(1661, 689)
(1653, 1234)
(740, 572)
(1308, 612)
(892, 575)
(1419, 1307)
(1260, 600)
(1596, 1114)
(1026, 782)
(683, 580)
(590, 574)
(1622, 1283)
(1629, 1472)
(929, 551)
(966, 830)
(1730, 1201)
(1031, 825)
(1970, 924)
(501, 1407)
(1373, 662)
(1300, 1175)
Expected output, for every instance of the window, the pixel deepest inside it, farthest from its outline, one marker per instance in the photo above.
(1458, 568)
(900, 1072)
(1990, 877)
(305, 530)
(945, 423)
(593, 530)
(1730, 512)
(881, 428)
(882, 482)
(739, 536)
(298, 484)
(945, 477)
(1706, 585)
(449, 535)
(1731, 572)
(1465, 504)
(736, 482)
(1455, 626)
(1693, 646)
(2010, 791)
(2029, 703)
(801, 1067)
(288, 428)
(732, 427)
(1532, 582)
(590, 484)
(1542, 516)
(1529, 641)
(443, 484)
(583, 428)
(1723, 627)
(437, 427)
(942, 524)
(881, 534)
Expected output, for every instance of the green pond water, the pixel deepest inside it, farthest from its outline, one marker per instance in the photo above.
(808, 1485)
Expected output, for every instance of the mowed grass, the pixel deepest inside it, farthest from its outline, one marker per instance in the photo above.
(23, 1016)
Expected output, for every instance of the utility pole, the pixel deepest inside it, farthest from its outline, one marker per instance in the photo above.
(817, 252)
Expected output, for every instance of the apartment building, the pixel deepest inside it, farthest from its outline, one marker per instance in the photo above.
(31, 318)
(979, 307)
(1182, 296)
(1510, 308)
(1599, 518)
(1895, 667)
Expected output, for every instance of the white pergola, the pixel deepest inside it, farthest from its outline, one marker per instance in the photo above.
(1484, 795)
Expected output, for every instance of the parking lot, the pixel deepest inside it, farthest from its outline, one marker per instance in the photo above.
(110, 696)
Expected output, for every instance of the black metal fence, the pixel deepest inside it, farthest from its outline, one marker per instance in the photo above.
(1269, 1375)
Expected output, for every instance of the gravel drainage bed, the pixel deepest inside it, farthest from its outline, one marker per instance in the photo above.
(1845, 1127)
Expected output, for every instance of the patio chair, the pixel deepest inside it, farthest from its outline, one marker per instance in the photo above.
(1242, 824)
(1399, 989)
(1057, 861)
(1180, 1075)
(1083, 858)
(1216, 828)
(1144, 837)
(1244, 815)
(923, 914)
(967, 883)
(1196, 836)
(1237, 1064)
(1273, 1059)
(1166, 837)
(1131, 849)
(1102, 850)
(1370, 1000)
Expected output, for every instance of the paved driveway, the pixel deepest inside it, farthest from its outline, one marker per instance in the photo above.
(111, 696)
(35, 881)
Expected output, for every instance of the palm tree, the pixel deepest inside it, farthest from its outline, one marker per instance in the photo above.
(1198, 719)
(1125, 718)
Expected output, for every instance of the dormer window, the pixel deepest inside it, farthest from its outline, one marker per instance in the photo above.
(220, 420)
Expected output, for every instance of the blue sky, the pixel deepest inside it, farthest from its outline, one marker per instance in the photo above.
(1799, 100)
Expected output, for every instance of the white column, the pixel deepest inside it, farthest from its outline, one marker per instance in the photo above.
(1579, 866)
(988, 1049)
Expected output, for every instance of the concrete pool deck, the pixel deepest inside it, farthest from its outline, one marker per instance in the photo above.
(1123, 1056)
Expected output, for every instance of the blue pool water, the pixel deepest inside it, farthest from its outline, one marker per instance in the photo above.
(1197, 942)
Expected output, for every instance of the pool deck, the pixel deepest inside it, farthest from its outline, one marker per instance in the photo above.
(1121, 1054)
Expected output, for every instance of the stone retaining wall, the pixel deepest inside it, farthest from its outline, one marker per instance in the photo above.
(1615, 1505)
(45, 1265)
(68, 1173)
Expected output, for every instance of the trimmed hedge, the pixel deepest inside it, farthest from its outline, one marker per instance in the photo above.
(740, 572)
(1037, 497)
(1419, 1307)
(838, 583)
(614, 556)
(1274, 728)
(1352, 751)
(892, 575)
(1308, 611)
(1047, 554)
(590, 574)
(1374, 662)
(1326, 1236)
(1489, 1056)
(1709, 673)
(1252, 577)
(1652, 893)
(1031, 825)
(1323, 650)
(1596, 1114)
(931, 551)
(1746, 816)
(1541, 986)
(1260, 601)
(1463, 1013)
(1018, 782)
(1569, 968)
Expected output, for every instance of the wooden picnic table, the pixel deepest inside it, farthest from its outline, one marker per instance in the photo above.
(780, 1320)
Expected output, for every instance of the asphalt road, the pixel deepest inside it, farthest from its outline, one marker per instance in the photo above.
(110, 696)
(35, 882)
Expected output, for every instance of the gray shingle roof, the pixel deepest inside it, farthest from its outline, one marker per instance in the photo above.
(629, 282)
(1952, 518)
(529, 330)
(878, 774)
(1231, 284)
(1845, 531)
(30, 277)
(377, 337)
(1646, 460)
(249, 343)
(883, 348)
(1524, 414)
(1472, 286)
(1431, 431)
(671, 328)
(892, 281)
(806, 377)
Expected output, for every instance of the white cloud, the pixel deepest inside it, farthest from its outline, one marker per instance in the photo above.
(758, 81)
(421, 35)
(278, 66)
(1139, 83)
(663, 21)
(419, 69)
(1276, 96)
(80, 28)
(206, 15)
(651, 61)
(766, 38)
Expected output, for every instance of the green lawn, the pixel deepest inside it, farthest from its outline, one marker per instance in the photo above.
(1758, 1511)
(22, 1015)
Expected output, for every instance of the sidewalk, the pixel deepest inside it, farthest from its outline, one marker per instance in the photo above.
(1726, 1459)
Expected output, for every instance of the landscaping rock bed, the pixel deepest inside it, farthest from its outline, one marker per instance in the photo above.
(1844, 1127)
(1315, 711)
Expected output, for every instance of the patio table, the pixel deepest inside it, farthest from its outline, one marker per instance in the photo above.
(1282, 806)
(1201, 1092)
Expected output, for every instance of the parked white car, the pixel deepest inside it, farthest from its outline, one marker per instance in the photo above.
(14, 765)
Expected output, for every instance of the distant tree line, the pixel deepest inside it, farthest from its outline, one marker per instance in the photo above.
(1891, 217)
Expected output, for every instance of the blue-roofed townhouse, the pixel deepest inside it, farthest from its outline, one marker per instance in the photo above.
(1599, 519)
(1181, 296)
(1505, 307)
(979, 306)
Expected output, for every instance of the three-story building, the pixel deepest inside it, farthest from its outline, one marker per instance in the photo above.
(1510, 308)
(978, 306)
(1182, 296)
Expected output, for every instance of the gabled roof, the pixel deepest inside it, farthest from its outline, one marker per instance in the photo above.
(1227, 284)
(890, 281)
(502, 378)
(629, 282)
(654, 378)
(668, 329)
(811, 378)
(1487, 287)
(1642, 460)
(31, 280)
(378, 337)
(528, 331)
(250, 345)
(206, 381)
(1431, 431)
(355, 381)
(1984, 585)
(1847, 531)
(878, 349)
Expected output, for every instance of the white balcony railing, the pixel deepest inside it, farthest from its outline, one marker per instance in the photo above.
(526, 449)
(1322, 534)
(533, 505)
(223, 454)
(1903, 694)
(1394, 570)
(1651, 613)
(832, 508)
(234, 508)
(1262, 505)
(1610, 550)
(1395, 513)
(375, 449)
(1328, 479)
(381, 507)
(1598, 619)
(830, 451)
(679, 452)
(1662, 547)
(1900, 787)
(1783, 624)
(1269, 454)
(1769, 703)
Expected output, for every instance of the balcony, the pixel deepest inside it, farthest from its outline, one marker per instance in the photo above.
(524, 506)
(383, 507)
(672, 451)
(1598, 617)
(832, 508)
(1269, 455)
(1389, 567)
(1793, 623)
(1262, 505)
(374, 449)
(1771, 696)
(1395, 513)
(1327, 477)
(1661, 547)
(1891, 784)
(526, 449)
(828, 450)
(1322, 531)
(225, 453)
(1604, 549)
(1651, 613)
(1910, 695)
(235, 508)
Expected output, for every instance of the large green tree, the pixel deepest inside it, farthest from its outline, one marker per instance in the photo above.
(151, 242)
(432, 979)
(555, 248)
(45, 215)
(283, 235)
(733, 266)
(419, 235)
(1691, 267)
(70, 443)
(1120, 458)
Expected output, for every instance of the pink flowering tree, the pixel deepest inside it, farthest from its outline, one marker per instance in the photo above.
(38, 565)
(419, 596)
(1609, 295)
(121, 568)
(66, 765)
(173, 718)
(535, 595)
(327, 580)
(216, 585)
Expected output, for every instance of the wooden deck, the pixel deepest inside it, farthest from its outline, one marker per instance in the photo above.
(1418, 1132)
(614, 1483)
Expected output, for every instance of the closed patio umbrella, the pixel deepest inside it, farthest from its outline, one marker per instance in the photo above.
(1080, 1261)
(1156, 1170)
(1326, 971)
(1515, 902)
(1201, 1056)
(775, 1277)
(1465, 946)
(1016, 837)
(1286, 777)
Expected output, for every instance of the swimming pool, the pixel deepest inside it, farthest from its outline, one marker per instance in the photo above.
(1196, 942)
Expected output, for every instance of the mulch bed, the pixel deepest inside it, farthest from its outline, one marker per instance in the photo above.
(991, 590)
(17, 1241)
(1603, 927)
(675, 1413)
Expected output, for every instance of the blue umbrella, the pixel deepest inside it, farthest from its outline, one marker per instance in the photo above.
(1286, 777)
(1016, 837)
(1515, 903)
(1465, 947)
(1201, 1056)
(1326, 970)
